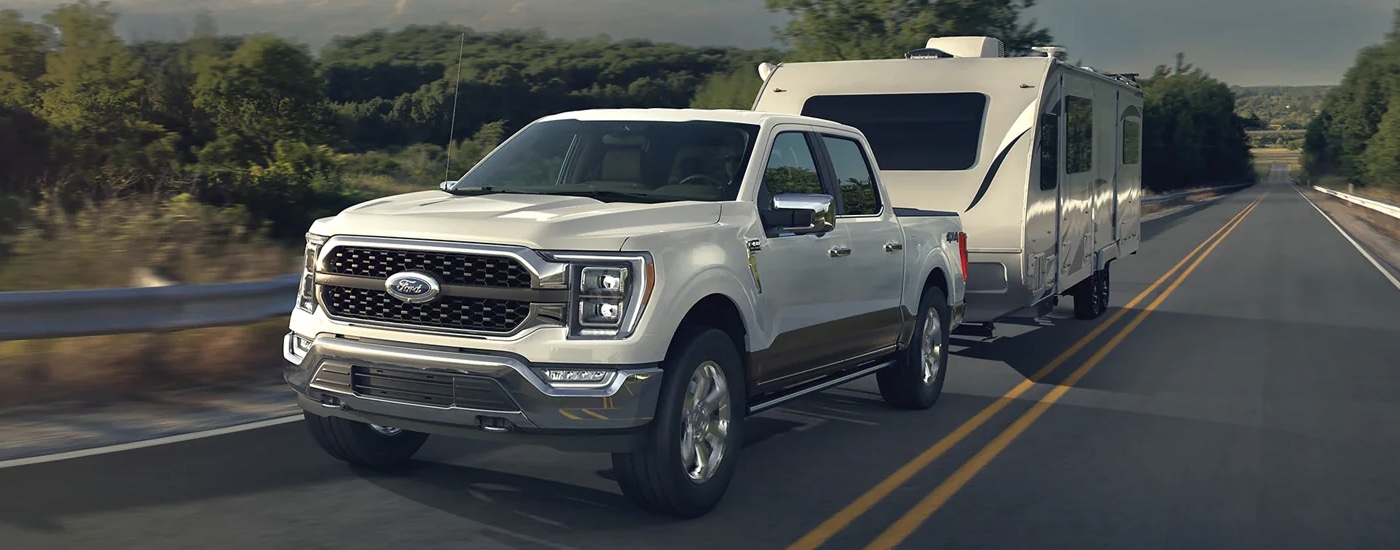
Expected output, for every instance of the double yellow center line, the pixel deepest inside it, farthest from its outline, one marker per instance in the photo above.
(905, 526)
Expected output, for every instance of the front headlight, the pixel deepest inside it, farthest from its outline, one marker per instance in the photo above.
(306, 293)
(608, 293)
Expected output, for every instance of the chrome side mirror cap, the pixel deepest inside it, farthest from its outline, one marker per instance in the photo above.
(803, 213)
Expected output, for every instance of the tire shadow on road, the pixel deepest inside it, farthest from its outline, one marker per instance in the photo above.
(513, 504)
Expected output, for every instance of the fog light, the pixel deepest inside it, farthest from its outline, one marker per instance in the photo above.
(303, 344)
(576, 377)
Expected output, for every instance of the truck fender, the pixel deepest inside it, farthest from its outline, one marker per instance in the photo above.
(935, 269)
(707, 282)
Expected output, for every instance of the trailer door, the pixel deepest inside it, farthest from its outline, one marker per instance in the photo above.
(1078, 186)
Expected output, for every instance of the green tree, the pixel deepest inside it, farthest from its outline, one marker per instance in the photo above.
(268, 91)
(23, 47)
(1381, 160)
(1356, 117)
(735, 89)
(870, 29)
(91, 95)
(1192, 135)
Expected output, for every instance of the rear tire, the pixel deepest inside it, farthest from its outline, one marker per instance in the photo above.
(915, 381)
(362, 444)
(662, 477)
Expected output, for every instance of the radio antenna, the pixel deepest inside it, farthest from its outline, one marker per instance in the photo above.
(452, 129)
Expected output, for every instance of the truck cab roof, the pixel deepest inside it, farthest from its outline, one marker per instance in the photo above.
(757, 118)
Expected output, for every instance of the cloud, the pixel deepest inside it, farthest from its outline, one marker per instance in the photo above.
(1244, 42)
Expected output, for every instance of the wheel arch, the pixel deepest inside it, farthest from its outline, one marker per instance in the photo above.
(719, 311)
(936, 278)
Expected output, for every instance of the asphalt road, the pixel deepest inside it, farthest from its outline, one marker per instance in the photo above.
(1255, 405)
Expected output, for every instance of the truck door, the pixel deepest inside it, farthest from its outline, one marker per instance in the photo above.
(801, 281)
(875, 267)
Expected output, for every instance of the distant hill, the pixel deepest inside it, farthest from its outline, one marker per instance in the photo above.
(1280, 107)
(1278, 115)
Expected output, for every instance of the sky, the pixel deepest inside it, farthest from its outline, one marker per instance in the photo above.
(1243, 42)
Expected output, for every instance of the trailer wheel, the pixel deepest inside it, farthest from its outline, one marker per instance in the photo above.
(915, 380)
(1091, 295)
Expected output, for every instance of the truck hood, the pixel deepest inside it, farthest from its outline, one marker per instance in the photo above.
(534, 221)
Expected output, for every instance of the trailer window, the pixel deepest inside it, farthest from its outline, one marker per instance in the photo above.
(857, 180)
(911, 131)
(1079, 134)
(1050, 149)
(1132, 142)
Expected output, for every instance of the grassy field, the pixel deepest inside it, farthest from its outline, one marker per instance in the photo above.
(113, 245)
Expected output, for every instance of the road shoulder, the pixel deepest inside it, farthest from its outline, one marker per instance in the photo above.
(1376, 232)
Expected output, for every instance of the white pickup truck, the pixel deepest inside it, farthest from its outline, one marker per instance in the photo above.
(633, 281)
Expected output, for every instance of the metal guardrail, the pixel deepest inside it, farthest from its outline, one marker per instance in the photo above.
(68, 313)
(71, 313)
(1176, 196)
(1384, 208)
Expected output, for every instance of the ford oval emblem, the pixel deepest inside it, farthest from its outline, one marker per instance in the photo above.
(414, 287)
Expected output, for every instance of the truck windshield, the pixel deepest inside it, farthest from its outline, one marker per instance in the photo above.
(618, 161)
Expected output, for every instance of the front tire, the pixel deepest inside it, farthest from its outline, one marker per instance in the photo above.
(362, 444)
(915, 381)
(686, 465)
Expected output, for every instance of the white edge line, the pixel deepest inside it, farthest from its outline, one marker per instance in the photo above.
(1353, 242)
(149, 442)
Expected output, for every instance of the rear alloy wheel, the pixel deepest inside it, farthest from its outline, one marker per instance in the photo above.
(364, 444)
(915, 380)
(686, 465)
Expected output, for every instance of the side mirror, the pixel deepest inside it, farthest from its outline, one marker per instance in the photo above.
(802, 214)
(446, 185)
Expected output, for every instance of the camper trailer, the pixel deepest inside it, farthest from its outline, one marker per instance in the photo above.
(1042, 159)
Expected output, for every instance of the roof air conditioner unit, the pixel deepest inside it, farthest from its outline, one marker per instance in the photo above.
(968, 46)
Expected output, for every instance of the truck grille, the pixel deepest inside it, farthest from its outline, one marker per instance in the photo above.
(448, 312)
(453, 268)
(431, 388)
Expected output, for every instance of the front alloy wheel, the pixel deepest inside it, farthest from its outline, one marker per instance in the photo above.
(706, 422)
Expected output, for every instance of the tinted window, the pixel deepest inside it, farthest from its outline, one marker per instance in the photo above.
(616, 160)
(858, 196)
(1050, 149)
(1132, 142)
(1079, 134)
(911, 131)
(792, 168)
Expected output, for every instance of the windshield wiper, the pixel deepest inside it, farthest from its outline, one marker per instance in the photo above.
(611, 195)
(486, 190)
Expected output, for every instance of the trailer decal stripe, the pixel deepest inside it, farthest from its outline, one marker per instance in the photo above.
(992, 172)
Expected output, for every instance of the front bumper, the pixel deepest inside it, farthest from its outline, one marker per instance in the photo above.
(504, 397)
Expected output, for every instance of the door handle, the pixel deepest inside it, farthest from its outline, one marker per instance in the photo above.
(893, 246)
(839, 251)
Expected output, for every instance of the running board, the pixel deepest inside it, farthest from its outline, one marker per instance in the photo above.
(815, 386)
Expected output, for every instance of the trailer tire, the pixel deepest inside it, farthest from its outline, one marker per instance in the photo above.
(1091, 295)
(658, 477)
(915, 380)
